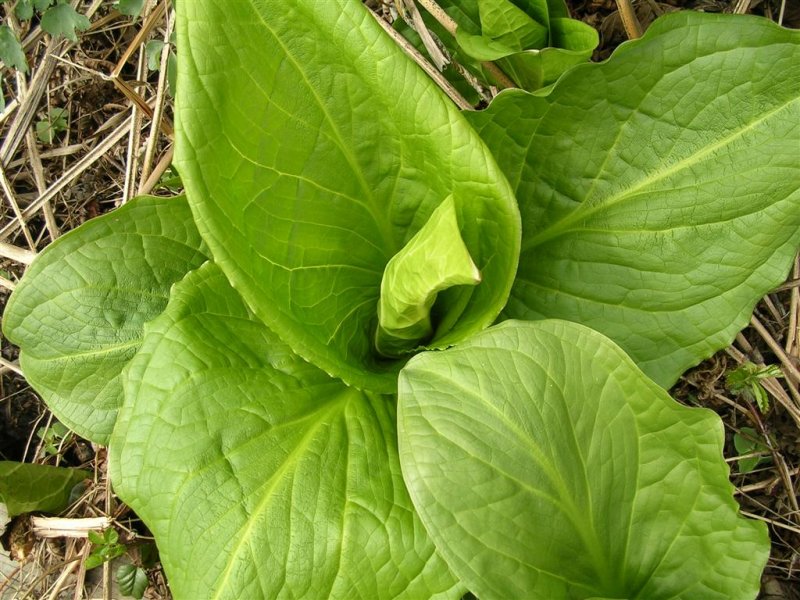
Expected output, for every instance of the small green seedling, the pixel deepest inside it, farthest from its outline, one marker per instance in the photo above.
(749, 446)
(48, 129)
(170, 180)
(106, 548)
(746, 381)
(52, 438)
(153, 50)
(58, 18)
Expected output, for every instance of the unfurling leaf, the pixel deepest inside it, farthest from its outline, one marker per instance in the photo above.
(435, 259)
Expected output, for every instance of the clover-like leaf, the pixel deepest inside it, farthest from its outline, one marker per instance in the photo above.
(24, 8)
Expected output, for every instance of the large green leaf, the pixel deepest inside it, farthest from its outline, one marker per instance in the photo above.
(78, 313)
(312, 150)
(660, 190)
(27, 487)
(572, 475)
(260, 476)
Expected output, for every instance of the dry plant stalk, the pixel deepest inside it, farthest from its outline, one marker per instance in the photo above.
(633, 29)
(432, 71)
(57, 527)
(438, 13)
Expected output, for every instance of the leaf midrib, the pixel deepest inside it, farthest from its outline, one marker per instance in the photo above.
(290, 462)
(568, 507)
(382, 226)
(585, 211)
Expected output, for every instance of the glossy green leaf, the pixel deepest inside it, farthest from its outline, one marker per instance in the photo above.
(28, 487)
(660, 197)
(260, 476)
(78, 313)
(312, 151)
(132, 580)
(434, 260)
(557, 9)
(545, 464)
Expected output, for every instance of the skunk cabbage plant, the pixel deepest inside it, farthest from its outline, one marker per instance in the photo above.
(384, 349)
(533, 41)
